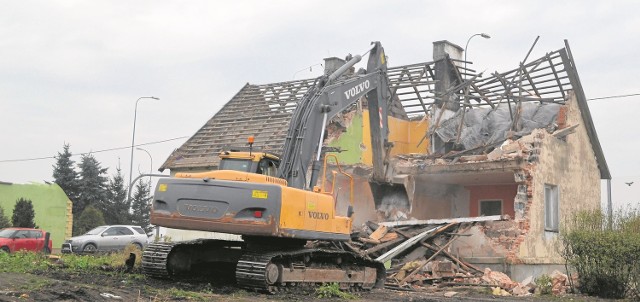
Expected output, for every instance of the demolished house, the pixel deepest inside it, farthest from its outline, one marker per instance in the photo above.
(507, 156)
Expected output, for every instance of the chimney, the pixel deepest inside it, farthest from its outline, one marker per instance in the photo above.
(445, 76)
(444, 47)
(332, 64)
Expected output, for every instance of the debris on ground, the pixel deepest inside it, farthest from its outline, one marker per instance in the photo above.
(559, 283)
(417, 257)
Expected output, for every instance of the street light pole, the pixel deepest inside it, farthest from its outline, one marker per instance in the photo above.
(133, 136)
(465, 50)
(150, 168)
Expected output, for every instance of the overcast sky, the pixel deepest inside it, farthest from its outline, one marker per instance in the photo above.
(71, 71)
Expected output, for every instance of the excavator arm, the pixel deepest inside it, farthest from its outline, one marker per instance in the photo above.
(330, 96)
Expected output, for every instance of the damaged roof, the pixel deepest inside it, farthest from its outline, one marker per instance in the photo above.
(264, 110)
(531, 93)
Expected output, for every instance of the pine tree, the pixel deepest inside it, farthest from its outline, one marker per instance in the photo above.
(117, 211)
(140, 206)
(92, 185)
(23, 214)
(65, 175)
(89, 219)
(4, 220)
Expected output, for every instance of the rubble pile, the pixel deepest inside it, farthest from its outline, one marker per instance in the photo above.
(417, 257)
(414, 255)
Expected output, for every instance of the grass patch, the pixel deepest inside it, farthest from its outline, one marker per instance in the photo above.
(86, 262)
(332, 290)
(177, 294)
(30, 262)
(22, 262)
(184, 294)
(34, 284)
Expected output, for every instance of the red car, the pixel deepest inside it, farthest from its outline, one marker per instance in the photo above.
(15, 239)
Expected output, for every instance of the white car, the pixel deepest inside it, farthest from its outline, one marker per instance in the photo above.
(106, 238)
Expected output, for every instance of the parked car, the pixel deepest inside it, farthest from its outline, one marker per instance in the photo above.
(15, 239)
(106, 238)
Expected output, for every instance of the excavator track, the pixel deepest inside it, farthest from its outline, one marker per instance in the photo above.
(154, 260)
(275, 271)
(263, 269)
(252, 272)
(200, 258)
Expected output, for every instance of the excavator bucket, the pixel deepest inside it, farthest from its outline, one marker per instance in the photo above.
(391, 199)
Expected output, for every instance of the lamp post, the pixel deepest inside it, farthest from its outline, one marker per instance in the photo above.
(465, 50)
(133, 136)
(150, 168)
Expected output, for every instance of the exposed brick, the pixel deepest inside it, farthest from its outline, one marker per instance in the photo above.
(561, 120)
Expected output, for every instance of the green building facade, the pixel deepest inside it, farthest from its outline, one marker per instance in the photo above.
(51, 205)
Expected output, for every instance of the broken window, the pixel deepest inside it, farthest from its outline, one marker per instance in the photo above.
(490, 207)
(551, 209)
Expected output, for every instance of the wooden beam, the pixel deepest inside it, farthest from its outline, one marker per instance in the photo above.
(443, 221)
(403, 281)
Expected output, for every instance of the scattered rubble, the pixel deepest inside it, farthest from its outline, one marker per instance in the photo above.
(559, 283)
(417, 257)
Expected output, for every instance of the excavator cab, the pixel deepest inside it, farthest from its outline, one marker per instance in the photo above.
(252, 162)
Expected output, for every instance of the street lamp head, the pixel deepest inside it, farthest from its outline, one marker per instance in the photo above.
(467, 45)
(146, 97)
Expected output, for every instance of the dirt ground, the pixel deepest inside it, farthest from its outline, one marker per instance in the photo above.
(57, 285)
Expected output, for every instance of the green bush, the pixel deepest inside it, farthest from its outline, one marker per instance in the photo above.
(544, 284)
(605, 253)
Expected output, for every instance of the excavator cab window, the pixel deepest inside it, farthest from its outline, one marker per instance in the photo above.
(242, 165)
(267, 167)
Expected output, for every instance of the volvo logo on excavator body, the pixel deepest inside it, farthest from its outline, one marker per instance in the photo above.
(200, 208)
(319, 215)
(355, 90)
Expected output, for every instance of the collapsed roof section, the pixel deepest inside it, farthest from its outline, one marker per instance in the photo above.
(486, 127)
(476, 115)
(469, 114)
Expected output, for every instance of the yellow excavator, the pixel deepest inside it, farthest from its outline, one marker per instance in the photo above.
(274, 203)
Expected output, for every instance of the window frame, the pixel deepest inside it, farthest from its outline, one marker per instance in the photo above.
(268, 167)
(480, 201)
(551, 208)
(235, 164)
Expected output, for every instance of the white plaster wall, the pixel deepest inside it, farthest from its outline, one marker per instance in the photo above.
(570, 165)
(432, 200)
(460, 204)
